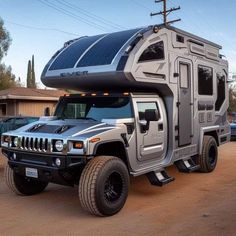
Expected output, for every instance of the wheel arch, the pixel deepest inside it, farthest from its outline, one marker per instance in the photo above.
(112, 148)
(210, 132)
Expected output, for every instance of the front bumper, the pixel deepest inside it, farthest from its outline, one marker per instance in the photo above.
(66, 174)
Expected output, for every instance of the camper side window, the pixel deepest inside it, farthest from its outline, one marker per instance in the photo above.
(205, 80)
(153, 52)
(220, 91)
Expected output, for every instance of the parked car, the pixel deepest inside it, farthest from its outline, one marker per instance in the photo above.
(233, 129)
(12, 123)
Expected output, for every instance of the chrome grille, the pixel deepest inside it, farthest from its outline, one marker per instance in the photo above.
(35, 144)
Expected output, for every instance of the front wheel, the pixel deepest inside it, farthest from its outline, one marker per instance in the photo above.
(104, 185)
(208, 158)
(22, 185)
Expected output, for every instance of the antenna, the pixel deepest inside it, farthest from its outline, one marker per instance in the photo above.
(166, 12)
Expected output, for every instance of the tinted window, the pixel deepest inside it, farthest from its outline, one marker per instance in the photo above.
(153, 52)
(184, 75)
(96, 108)
(70, 56)
(220, 91)
(143, 106)
(20, 121)
(103, 52)
(32, 119)
(205, 80)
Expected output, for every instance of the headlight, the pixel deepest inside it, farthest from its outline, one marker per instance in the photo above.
(58, 145)
(6, 139)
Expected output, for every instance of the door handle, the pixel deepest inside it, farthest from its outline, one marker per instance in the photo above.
(160, 127)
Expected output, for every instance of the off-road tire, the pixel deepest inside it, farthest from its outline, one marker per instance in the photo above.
(208, 158)
(95, 192)
(22, 185)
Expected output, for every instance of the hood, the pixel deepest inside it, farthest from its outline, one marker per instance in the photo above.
(66, 128)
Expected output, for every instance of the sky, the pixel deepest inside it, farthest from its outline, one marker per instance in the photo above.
(41, 27)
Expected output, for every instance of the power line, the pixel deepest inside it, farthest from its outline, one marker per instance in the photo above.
(39, 28)
(141, 5)
(70, 14)
(91, 15)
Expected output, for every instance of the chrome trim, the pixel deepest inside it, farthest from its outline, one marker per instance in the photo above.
(28, 143)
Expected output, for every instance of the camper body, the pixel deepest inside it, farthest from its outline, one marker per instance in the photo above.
(153, 97)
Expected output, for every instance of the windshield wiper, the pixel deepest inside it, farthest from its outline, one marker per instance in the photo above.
(85, 118)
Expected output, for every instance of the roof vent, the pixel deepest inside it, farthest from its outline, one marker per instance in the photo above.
(179, 38)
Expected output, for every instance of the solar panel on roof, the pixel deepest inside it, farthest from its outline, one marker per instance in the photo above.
(104, 51)
(73, 52)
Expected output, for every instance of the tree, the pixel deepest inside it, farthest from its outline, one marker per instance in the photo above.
(31, 74)
(5, 40)
(29, 78)
(232, 99)
(7, 79)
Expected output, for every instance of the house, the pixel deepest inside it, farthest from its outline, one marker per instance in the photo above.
(27, 101)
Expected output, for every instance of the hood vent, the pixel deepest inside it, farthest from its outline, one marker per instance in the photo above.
(63, 128)
(50, 129)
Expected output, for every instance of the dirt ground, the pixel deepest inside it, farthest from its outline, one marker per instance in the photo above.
(194, 204)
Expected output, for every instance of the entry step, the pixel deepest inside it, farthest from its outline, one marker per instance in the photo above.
(159, 178)
(187, 166)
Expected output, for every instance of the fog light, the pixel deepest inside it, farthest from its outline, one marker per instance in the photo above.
(59, 145)
(14, 156)
(58, 162)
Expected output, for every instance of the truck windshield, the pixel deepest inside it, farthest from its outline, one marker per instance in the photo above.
(94, 108)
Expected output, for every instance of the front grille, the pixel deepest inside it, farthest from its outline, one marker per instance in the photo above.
(34, 144)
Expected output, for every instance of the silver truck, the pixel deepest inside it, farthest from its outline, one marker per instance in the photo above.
(150, 97)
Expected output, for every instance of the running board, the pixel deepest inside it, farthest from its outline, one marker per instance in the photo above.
(187, 166)
(159, 178)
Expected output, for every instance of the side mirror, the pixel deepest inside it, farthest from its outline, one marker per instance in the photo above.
(47, 111)
(151, 115)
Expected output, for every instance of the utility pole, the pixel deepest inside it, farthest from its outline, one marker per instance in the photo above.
(166, 12)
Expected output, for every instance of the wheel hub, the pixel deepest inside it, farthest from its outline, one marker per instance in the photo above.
(113, 187)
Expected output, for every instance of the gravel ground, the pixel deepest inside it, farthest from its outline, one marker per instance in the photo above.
(194, 204)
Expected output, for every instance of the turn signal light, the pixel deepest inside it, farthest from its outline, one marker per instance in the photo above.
(78, 145)
(94, 140)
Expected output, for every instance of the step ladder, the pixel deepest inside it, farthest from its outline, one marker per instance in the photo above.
(187, 166)
(159, 178)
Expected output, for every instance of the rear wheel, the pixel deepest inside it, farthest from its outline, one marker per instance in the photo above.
(104, 186)
(208, 158)
(22, 185)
